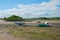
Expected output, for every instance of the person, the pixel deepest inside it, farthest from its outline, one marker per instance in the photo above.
(47, 23)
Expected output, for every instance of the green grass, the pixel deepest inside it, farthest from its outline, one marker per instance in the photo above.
(36, 33)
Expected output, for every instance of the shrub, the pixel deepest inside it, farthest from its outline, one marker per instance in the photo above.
(13, 18)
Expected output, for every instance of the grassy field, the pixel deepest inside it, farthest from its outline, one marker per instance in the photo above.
(32, 32)
(35, 33)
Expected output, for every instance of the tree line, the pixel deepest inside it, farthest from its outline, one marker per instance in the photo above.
(17, 18)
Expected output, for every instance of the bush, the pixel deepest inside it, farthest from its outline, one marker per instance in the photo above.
(13, 18)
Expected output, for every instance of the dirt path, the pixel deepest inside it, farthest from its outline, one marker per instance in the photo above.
(5, 36)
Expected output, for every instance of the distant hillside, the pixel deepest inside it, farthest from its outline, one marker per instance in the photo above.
(1, 18)
(43, 18)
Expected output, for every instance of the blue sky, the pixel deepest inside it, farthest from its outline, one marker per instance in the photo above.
(7, 4)
(30, 8)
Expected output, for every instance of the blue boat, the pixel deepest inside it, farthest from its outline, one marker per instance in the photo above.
(46, 24)
(19, 23)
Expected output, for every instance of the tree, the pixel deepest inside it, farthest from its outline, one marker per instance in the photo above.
(5, 18)
(14, 18)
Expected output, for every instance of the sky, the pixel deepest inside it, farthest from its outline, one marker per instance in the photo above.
(30, 8)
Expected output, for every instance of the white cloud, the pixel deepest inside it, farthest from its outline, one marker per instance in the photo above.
(34, 10)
